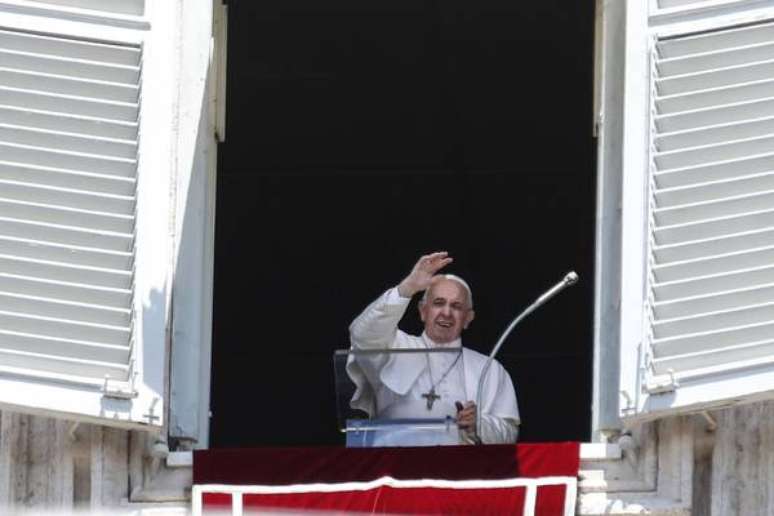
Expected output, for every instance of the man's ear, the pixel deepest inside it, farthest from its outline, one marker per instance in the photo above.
(421, 307)
(469, 319)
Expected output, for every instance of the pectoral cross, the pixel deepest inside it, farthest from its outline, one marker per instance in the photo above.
(431, 396)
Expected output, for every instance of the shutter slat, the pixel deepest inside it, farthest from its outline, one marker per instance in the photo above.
(714, 190)
(51, 364)
(64, 348)
(711, 42)
(737, 130)
(714, 228)
(705, 266)
(10, 302)
(72, 179)
(68, 198)
(62, 122)
(69, 67)
(717, 78)
(677, 4)
(70, 48)
(71, 105)
(738, 205)
(695, 156)
(699, 342)
(715, 171)
(716, 96)
(68, 235)
(93, 220)
(68, 142)
(77, 293)
(738, 317)
(68, 254)
(64, 272)
(713, 357)
(713, 283)
(91, 163)
(63, 328)
(714, 115)
(713, 246)
(715, 302)
(60, 85)
(719, 59)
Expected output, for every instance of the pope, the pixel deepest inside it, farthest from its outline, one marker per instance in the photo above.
(429, 385)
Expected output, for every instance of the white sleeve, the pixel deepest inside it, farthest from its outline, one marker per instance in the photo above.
(500, 412)
(377, 326)
(498, 430)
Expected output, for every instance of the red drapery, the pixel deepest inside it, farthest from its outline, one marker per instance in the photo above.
(432, 480)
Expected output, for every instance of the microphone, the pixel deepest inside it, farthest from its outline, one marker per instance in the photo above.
(571, 278)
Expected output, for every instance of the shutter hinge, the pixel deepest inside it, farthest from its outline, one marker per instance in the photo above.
(663, 384)
(628, 407)
(151, 415)
(118, 389)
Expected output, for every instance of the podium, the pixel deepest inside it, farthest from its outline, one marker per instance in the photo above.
(367, 433)
(412, 420)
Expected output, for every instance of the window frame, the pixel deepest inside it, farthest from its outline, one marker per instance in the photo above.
(608, 128)
(204, 26)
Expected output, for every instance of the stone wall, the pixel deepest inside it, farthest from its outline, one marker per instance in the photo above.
(721, 464)
(55, 465)
(716, 464)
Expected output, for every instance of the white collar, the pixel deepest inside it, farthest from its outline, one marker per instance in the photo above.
(430, 343)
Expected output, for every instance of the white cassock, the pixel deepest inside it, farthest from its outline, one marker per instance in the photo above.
(391, 386)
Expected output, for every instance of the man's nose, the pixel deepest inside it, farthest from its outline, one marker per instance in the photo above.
(446, 311)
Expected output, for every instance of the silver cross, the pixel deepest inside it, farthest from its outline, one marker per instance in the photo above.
(431, 396)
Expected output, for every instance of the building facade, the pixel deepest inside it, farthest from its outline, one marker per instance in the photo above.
(110, 114)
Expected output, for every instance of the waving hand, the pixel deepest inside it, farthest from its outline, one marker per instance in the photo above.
(421, 276)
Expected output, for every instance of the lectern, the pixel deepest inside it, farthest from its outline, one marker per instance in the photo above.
(415, 419)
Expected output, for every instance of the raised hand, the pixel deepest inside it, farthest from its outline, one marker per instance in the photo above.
(421, 276)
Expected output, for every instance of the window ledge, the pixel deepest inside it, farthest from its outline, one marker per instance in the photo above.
(590, 452)
(180, 459)
(599, 451)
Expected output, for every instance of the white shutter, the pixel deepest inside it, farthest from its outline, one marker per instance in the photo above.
(709, 312)
(69, 111)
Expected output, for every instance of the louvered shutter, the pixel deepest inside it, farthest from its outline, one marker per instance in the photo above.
(69, 112)
(709, 312)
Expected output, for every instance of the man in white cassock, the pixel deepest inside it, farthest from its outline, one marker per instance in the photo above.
(429, 385)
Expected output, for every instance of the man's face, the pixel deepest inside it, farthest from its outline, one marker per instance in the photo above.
(445, 312)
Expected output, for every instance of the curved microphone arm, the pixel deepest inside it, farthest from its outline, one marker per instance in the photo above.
(570, 279)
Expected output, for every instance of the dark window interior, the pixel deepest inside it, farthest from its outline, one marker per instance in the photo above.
(363, 133)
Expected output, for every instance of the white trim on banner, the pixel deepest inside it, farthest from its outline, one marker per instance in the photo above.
(530, 499)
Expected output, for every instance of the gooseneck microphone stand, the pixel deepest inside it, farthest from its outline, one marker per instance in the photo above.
(570, 279)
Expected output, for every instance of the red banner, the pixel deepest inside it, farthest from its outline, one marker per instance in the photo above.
(525, 479)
